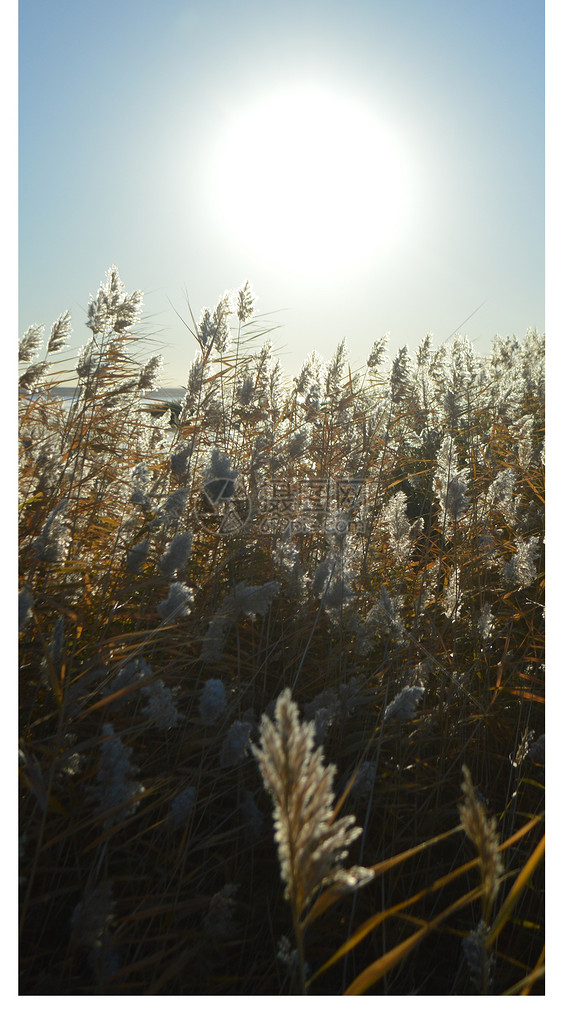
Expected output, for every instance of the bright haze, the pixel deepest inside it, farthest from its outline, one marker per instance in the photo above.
(371, 167)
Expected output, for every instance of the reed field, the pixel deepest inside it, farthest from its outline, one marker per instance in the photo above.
(281, 646)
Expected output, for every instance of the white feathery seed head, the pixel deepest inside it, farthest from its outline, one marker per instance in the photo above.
(311, 842)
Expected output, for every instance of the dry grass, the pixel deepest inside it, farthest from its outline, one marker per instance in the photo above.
(403, 608)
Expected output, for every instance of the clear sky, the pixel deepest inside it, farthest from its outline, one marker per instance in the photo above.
(372, 166)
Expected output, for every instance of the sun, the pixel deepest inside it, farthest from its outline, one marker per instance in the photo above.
(312, 181)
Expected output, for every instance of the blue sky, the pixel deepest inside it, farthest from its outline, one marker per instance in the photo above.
(148, 138)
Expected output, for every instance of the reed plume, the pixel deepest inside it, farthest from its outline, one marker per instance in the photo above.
(310, 842)
(483, 834)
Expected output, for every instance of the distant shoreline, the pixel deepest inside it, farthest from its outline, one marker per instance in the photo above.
(161, 393)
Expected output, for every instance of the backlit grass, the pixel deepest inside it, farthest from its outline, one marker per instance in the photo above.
(371, 540)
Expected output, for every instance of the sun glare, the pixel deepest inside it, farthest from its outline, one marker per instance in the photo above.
(312, 182)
